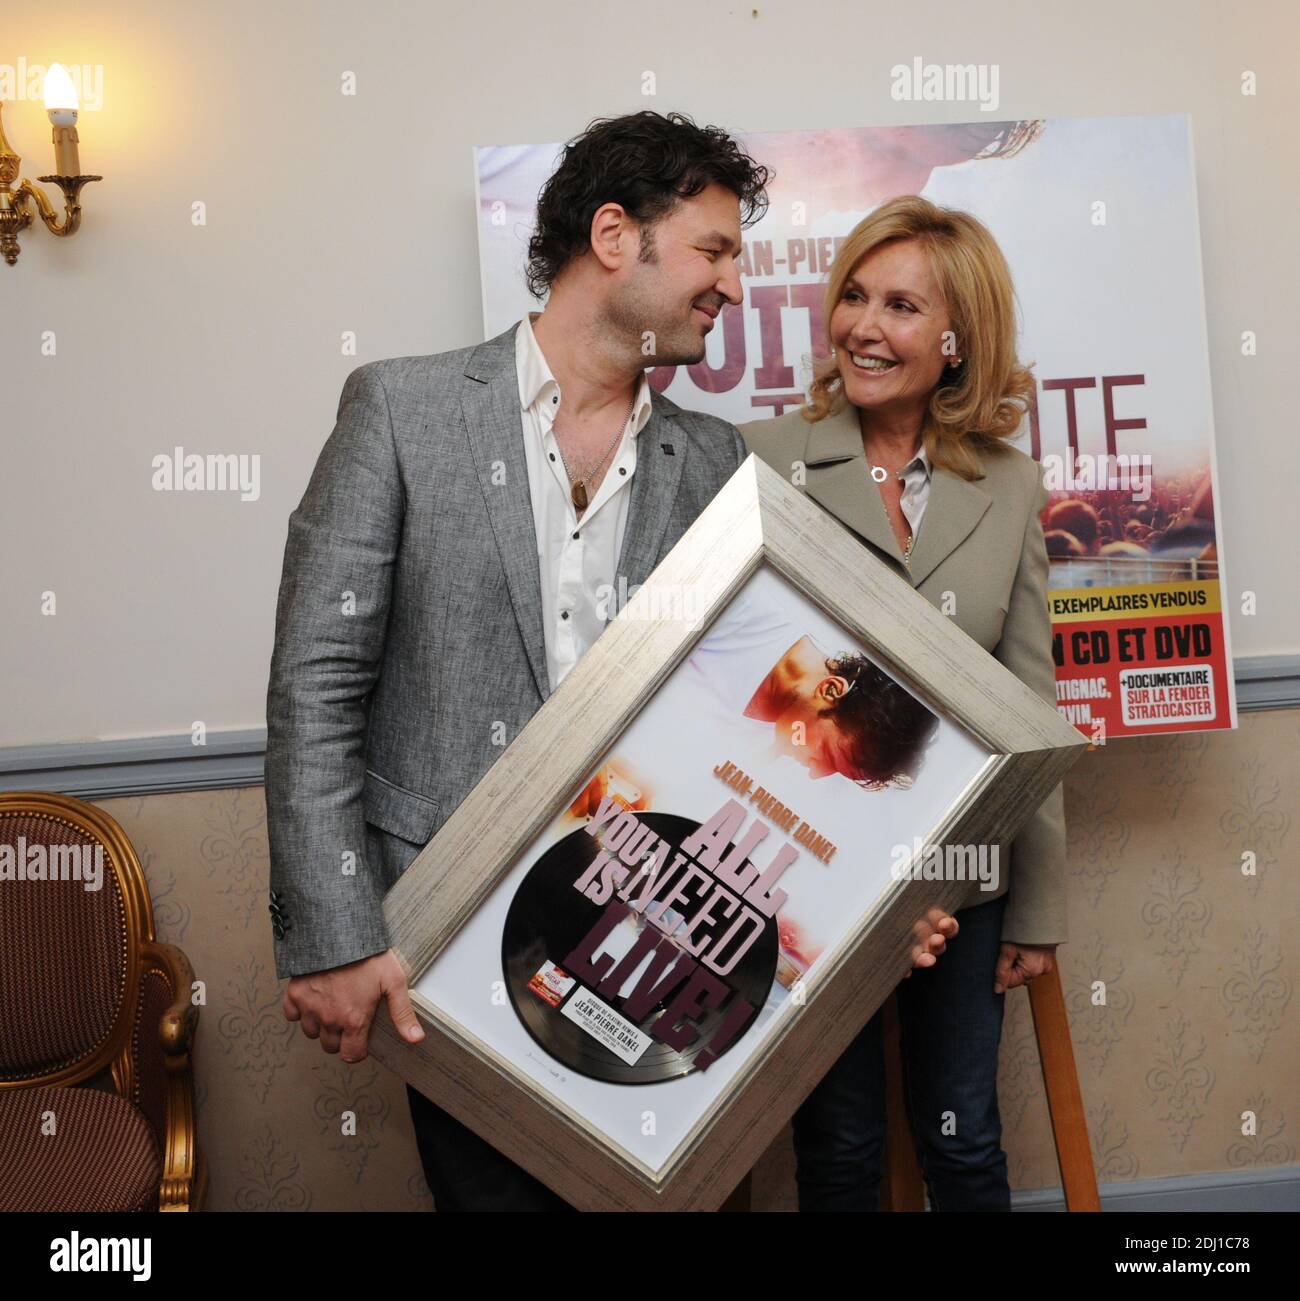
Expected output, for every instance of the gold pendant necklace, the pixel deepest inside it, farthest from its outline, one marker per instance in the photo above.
(879, 478)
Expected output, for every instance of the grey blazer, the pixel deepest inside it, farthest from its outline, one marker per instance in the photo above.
(981, 542)
(409, 648)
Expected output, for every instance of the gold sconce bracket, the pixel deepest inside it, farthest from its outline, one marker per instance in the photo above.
(15, 211)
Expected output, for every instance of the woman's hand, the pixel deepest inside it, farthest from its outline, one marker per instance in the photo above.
(1018, 964)
(932, 935)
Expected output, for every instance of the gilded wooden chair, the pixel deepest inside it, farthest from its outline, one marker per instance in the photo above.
(97, 1024)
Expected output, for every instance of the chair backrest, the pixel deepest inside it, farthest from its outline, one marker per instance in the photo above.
(74, 912)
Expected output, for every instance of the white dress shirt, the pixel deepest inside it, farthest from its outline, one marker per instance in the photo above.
(576, 558)
(916, 475)
(916, 491)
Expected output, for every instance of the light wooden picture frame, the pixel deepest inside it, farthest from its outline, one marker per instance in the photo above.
(583, 1139)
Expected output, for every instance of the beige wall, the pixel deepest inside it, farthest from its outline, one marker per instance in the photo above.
(328, 213)
(1200, 965)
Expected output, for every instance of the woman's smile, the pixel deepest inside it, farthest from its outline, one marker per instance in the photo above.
(872, 365)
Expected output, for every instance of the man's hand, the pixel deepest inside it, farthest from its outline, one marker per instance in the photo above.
(932, 933)
(1018, 964)
(338, 1006)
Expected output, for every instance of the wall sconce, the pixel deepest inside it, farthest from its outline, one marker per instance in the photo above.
(15, 213)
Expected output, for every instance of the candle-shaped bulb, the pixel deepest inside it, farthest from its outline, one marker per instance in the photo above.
(60, 93)
(61, 105)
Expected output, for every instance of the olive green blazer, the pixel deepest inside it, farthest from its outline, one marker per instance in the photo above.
(980, 554)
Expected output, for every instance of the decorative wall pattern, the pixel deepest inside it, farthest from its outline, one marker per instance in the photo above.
(1179, 978)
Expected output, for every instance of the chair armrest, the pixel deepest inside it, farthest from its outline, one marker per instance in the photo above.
(180, 1019)
(166, 1025)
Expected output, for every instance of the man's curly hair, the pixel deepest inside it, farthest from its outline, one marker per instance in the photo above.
(886, 727)
(648, 163)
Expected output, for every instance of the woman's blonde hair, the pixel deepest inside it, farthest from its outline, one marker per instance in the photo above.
(980, 403)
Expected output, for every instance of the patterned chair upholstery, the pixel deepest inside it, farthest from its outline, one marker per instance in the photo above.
(97, 1024)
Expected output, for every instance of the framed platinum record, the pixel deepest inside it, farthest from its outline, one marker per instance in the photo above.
(701, 867)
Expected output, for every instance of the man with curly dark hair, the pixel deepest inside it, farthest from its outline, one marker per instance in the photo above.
(477, 503)
(646, 163)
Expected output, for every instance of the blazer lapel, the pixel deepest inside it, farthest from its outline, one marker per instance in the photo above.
(492, 424)
(954, 507)
(839, 479)
(660, 456)
(490, 404)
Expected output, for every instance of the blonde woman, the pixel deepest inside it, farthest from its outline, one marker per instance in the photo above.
(904, 439)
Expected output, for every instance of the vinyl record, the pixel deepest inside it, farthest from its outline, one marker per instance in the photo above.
(548, 918)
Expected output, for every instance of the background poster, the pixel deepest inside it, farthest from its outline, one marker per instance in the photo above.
(1098, 219)
(692, 751)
